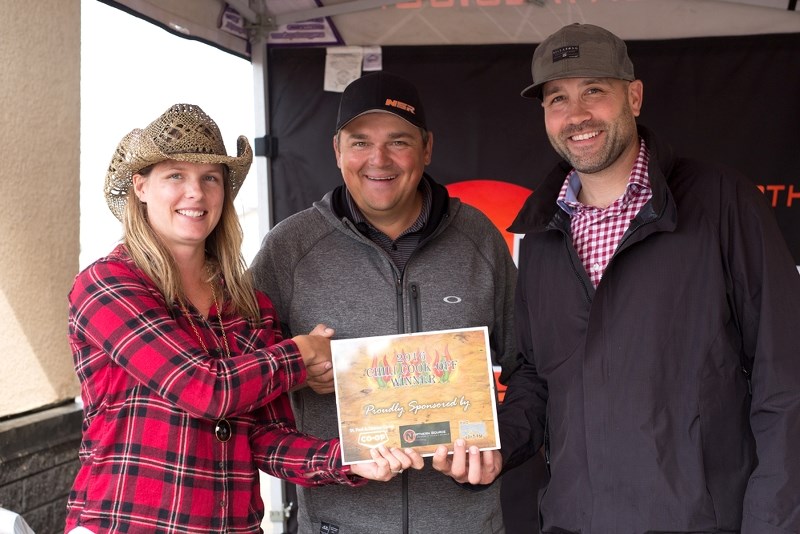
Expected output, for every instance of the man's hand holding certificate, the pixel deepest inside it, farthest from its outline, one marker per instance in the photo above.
(417, 390)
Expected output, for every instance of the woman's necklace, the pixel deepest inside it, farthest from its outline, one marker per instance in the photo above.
(222, 429)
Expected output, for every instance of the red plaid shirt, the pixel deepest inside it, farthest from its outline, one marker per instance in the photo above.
(150, 461)
(596, 232)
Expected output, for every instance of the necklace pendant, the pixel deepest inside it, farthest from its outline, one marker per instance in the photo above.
(222, 428)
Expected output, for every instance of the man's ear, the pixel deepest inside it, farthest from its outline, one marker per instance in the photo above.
(336, 150)
(429, 149)
(636, 96)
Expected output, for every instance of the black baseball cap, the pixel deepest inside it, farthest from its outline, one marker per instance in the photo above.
(579, 51)
(381, 92)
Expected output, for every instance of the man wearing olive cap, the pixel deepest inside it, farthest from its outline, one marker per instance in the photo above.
(657, 310)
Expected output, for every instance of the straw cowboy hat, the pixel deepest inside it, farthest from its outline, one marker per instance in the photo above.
(183, 133)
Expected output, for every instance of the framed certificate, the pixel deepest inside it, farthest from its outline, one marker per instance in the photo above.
(416, 390)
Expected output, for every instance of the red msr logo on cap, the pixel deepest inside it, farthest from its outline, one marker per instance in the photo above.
(400, 105)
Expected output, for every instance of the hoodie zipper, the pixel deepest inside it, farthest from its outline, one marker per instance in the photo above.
(414, 319)
(414, 311)
(401, 329)
(414, 316)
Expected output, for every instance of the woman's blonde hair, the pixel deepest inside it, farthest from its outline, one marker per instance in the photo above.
(223, 253)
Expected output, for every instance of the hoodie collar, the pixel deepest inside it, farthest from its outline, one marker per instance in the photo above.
(439, 203)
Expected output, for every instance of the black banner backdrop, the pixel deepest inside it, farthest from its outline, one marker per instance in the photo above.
(731, 100)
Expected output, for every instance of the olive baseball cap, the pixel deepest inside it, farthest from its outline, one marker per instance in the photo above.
(579, 51)
(381, 92)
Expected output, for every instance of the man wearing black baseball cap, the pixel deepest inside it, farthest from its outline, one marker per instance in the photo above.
(657, 313)
(389, 252)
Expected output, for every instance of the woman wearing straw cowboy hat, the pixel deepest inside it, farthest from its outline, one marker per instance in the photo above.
(183, 372)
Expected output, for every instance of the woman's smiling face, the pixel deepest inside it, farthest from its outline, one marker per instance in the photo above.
(183, 200)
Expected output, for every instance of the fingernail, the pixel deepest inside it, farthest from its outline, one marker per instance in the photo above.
(460, 442)
(473, 450)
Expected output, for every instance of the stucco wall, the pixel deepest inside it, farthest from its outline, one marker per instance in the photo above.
(39, 198)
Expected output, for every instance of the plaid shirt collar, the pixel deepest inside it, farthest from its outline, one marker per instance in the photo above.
(638, 181)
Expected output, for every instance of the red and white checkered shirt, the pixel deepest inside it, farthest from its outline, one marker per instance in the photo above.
(596, 232)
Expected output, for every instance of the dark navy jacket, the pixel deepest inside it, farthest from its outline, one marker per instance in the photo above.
(640, 382)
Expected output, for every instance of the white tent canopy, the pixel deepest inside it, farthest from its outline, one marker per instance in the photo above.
(458, 22)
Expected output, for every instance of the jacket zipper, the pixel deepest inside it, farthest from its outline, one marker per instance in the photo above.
(414, 311)
(414, 315)
(567, 240)
(401, 329)
(414, 327)
(633, 229)
(547, 442)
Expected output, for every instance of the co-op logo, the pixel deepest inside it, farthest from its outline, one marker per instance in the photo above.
(452, 299)
(373, 438)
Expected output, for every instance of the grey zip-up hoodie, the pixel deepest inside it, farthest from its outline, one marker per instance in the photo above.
(318, 268)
